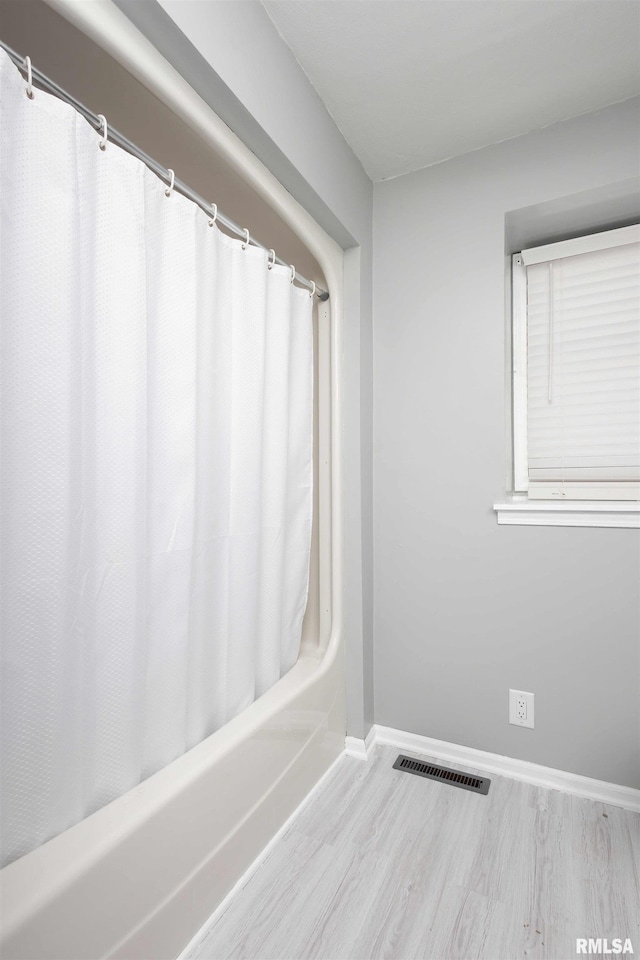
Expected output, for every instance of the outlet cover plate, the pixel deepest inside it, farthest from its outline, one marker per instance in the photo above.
(521, 708)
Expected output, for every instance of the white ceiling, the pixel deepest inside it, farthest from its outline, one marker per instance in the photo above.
(413, 82)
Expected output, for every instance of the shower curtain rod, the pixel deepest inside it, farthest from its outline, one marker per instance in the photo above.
(164, 173)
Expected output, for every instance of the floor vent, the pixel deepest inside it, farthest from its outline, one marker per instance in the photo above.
(454, 777)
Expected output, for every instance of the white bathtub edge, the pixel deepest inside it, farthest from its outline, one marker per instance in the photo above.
(203, 932)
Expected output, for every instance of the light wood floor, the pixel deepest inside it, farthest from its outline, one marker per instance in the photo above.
(384, 864)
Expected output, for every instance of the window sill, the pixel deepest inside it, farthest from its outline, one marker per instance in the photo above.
(571, 513)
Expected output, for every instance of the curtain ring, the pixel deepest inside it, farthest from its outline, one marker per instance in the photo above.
(27, 67)
(172, 180)
(313, 289)
(104, 130)
(293, 273)
(214, 207)
(246, 238)
(271, 259)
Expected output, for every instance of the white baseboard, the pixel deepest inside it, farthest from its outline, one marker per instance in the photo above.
(355, 748)
(360, 749)
(613, 793)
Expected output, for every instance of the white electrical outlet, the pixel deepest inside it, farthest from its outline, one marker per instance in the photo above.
(521, 708)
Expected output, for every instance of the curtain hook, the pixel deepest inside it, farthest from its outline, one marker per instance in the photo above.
(214, 207)
(172, 180)
(313, 289)
(271, 259)
(293, 273)
(104, 130)
(246, 238)
(27, 67)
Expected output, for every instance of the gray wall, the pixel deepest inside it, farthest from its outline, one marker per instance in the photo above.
(465, 609)
(231, 53)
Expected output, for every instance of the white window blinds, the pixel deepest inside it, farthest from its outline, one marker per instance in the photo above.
(582, 368)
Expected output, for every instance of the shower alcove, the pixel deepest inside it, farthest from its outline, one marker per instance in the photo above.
(139, 877)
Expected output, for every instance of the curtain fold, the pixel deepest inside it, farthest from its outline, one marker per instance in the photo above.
(156, 499)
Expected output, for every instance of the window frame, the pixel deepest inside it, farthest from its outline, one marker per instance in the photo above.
(517, 508)
(519, 373)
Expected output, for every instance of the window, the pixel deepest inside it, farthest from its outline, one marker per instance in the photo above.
(576, 377)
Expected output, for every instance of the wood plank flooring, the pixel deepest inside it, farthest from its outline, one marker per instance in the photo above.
(382, 864)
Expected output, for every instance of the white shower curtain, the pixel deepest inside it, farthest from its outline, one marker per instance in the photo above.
(156, 470)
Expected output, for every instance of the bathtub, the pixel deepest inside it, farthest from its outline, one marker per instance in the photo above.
(139, 877)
